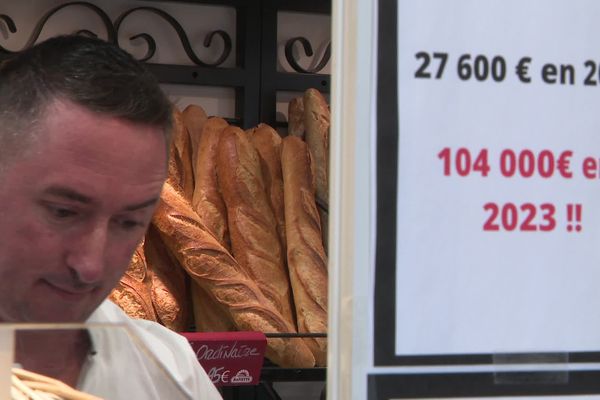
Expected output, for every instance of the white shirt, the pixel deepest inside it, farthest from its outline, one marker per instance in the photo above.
(139, 359)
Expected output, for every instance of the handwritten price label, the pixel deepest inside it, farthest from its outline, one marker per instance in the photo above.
(219, 375)
(230, 358)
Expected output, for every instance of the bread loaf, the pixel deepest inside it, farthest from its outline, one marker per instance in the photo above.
(133, 292)
(296, 117)
(207, 200)
(252, 226)
(209, 315)
(268, 144)
(316, 123)
(183, 148)
(169, 294)
(175, 167)
(307, 261)
(317, 120)
(210, 265)
(194, 118)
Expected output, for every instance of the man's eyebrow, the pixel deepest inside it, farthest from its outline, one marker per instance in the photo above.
(67, 193)
(74, 195)
(141, 205)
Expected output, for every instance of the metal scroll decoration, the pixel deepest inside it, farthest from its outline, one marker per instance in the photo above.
(182, 37)
(308, 50)
(111, 33)
(113, 29)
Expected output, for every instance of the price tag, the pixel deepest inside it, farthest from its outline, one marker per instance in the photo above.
(230, 358)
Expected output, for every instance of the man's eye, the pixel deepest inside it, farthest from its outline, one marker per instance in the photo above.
(61, 212)
(129, 224)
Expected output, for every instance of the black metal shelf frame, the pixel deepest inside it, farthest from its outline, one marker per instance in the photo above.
(244, 77)
(254, 78)
(272, 80)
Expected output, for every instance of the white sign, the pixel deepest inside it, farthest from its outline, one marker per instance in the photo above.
(498, 224)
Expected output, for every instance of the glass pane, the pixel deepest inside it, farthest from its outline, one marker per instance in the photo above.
(106, 360)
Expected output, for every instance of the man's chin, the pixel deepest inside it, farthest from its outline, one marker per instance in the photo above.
(42, 310)
(53, 316)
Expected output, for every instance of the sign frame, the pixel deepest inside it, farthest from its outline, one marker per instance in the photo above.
(386, 184)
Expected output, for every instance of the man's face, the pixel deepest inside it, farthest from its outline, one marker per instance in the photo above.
(72, 211)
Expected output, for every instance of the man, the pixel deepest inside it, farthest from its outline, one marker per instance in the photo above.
(84, 132)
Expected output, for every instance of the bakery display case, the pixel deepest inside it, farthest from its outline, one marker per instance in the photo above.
(256, 83)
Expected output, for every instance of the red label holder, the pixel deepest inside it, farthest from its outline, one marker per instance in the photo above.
(230, 358)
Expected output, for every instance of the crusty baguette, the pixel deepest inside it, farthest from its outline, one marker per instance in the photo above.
(306, 256)
(268, 144)
(170, 296)
(175, 168)
(207, 200)
(132, 293)
(316, 123)
(252, 226)
(296, 117)
(209, 314)
(194, 118)
(211, 266)
(183, 147)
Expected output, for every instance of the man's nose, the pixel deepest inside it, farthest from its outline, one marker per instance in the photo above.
(87, 254)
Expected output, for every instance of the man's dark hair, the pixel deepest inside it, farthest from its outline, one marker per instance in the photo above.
(86, 71)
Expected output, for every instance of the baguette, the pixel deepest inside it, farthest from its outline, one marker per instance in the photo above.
(209, 315)
(316, 122)
(296, 117)
(174, 167)
(207, 200)
(169, 289)
(211, 266)
(268, 144)
(194, 117)
(252, 226)
(183, 148)
(306, 256)
(132, 292)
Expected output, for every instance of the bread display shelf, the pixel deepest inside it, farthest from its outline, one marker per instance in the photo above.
(278, 374)
(271, 375)
(216, 216)
(256, 82)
